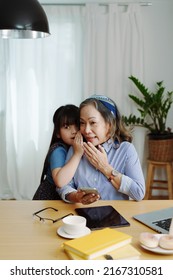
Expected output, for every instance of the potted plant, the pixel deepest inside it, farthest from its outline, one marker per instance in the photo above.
(153, 108)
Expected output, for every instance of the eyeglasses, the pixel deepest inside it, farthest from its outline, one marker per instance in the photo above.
(48, 220)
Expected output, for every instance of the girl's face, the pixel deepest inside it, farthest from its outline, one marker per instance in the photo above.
(68, 133)
(93, 126)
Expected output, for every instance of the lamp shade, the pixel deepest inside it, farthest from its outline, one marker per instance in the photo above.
(23, 19)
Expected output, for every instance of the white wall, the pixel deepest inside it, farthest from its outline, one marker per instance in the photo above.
(158, 34)
(158, 57)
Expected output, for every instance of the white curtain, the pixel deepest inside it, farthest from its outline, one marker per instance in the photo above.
(91, 49)
(40, 76)
(113, 50)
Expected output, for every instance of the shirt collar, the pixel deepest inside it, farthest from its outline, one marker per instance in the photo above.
(109, 144)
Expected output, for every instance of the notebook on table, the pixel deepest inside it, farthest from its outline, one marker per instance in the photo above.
(159, 220)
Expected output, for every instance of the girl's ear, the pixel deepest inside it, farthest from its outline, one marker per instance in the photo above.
(58, 135)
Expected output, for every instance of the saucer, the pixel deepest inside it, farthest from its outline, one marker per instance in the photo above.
(158, 249)
(61, 232)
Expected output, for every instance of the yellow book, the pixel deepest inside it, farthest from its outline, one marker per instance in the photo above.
(127, 252)
(97, 243)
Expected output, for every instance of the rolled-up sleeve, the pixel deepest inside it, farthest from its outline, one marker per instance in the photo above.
(63, 191)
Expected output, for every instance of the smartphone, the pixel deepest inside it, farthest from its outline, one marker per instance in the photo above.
(89, 190)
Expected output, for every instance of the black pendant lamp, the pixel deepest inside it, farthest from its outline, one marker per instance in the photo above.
(22, 19)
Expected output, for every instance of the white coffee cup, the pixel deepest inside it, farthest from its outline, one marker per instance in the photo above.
(74, 225)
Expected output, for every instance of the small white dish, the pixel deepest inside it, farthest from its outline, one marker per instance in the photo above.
(158, 249)
(62, 233)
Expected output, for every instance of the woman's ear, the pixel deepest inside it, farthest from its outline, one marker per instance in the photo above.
(109, 130)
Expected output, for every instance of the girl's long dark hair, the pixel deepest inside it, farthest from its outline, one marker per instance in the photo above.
(64, 115)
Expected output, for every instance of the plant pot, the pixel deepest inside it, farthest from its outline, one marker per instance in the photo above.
(160, 148)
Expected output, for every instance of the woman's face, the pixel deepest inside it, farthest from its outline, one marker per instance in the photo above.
(93, 126)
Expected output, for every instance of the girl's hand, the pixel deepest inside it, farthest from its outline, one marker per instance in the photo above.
(78, 144)
(97, 157)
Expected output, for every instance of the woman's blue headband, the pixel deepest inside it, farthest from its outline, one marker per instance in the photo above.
(106, 101)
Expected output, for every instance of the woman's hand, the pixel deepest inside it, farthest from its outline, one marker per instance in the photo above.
(97, 157)
(81, 197)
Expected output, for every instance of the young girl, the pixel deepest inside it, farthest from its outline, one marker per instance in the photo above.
(65, 134)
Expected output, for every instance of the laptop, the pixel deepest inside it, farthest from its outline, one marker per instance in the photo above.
(159, 220)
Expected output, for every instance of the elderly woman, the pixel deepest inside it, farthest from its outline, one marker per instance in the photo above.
(110, 162)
